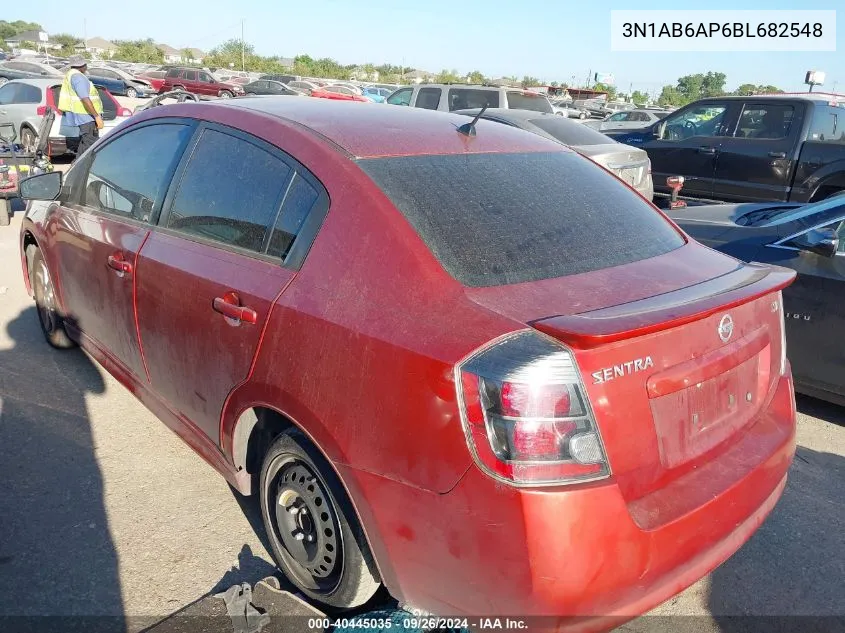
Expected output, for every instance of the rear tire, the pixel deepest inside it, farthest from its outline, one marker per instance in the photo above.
(52, 324)
(314, 534)
(5, 212)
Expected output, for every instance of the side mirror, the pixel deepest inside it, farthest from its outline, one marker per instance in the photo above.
(42, 187)
(824, 242)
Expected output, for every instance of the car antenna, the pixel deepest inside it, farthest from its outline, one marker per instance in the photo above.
(468, 129)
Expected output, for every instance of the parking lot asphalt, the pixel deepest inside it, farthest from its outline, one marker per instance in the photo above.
(104, 511)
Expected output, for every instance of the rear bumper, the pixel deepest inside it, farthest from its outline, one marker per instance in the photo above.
(581, 559)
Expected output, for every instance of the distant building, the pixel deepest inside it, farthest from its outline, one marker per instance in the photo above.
(40, 38)
(98, 47)
(171, 55)
(505, 83)
(196, 56)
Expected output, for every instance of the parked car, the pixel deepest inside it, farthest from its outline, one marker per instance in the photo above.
(155, 78)
(343, 89)
(337, 95)
(440, 364)
(304, 86)
(569, 110)
(9, 74)
(199, 82)
(270, 87)
(114, 86)
(781, 148)
(379, 95)
(285, 79)
(124, 83)
(35, 69)
(24, 101)
(451, 97)
(810, 239)
(629, 164)
(599, 108)
(626, 120)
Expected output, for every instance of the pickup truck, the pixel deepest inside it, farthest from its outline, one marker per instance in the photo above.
(785, 148)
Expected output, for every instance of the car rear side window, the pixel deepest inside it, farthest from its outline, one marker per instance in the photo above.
(467, 98)
(130, 174)
(298, 203)
(765, 121)
(212, 201)
(495, 219)
(825, 126)
(521, 101)
(428, 98)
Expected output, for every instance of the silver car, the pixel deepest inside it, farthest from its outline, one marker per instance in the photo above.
(630, 120)
(629, 164)
(569, 110)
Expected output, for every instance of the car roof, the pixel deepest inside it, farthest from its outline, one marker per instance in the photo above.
(369, 130)
(512, 114)
(809, 96)
(41, 82)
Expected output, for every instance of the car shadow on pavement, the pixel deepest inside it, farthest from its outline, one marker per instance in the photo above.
(789, 576)
(57, 557)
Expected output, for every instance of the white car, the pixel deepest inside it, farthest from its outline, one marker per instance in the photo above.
(24, 101)
(629, 120)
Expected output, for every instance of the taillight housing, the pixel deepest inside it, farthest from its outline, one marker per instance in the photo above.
(526, 414)
(124, 112)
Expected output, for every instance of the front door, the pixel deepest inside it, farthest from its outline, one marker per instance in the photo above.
(211, 271)
(688, 147)
(757, 158)
(815, 312)
(100, 230)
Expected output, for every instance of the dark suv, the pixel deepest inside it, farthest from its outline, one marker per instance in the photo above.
(199, 82)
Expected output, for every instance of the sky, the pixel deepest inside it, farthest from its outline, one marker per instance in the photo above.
(551, 40)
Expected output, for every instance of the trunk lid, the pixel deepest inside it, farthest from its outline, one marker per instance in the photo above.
(678, 367)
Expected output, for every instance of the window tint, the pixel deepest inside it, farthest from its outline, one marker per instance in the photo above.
(190, 75)
(428, 98)
(173, 72)
(299, 200)
(212, 201)
(825, 126)
(129, 175)
(619, 116)
(765, 121)
(522, 101)
(493, 219)
(706, 119)
(7, 93)
(401, 97)
(466, 98)
(205, 77)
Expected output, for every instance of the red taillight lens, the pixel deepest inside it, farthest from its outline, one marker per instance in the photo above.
(41, 110)
(124, 112)
(526, 413)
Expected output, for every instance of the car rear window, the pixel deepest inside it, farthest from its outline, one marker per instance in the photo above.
(495, 219)
(570, 132)
(522, 101)
(467, 98)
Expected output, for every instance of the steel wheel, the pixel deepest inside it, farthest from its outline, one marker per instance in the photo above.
(225, 94)
(313, 530)
(131, 92)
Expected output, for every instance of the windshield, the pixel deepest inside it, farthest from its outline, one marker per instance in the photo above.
(495, 219)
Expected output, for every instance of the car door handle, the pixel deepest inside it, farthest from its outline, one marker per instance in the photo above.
(118, 263)
(706, 150)
(229, 305)
(777, 154)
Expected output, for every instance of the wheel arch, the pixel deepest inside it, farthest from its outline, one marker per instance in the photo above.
(254, 430)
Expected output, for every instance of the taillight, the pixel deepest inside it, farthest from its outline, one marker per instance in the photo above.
(526, 414)
(41, 110)
(124, 112)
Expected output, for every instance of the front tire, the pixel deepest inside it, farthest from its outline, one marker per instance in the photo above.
(314, 534)
(131, 93)
(52, 324)
(225, 94)
(29, 140)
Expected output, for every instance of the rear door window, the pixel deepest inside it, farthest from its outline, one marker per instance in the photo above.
(190, 75)
(765, 121)
(211, 202)
(526, 101)
(825, 126)
(299, 201)
(428, 98)
(494, 219)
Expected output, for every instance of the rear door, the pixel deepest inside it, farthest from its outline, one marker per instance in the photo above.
(757, 158)
(428, 98)
(229, 241)
(814, 309)
(101, 227)
(689, 144)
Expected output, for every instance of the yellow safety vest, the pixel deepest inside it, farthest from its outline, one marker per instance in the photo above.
(69, 101)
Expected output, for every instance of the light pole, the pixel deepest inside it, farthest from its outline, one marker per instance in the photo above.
(243, 48)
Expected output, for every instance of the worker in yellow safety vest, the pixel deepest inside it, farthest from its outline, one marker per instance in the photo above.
(80, 105)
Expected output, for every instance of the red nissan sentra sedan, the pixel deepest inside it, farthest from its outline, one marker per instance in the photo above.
(473, 368)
